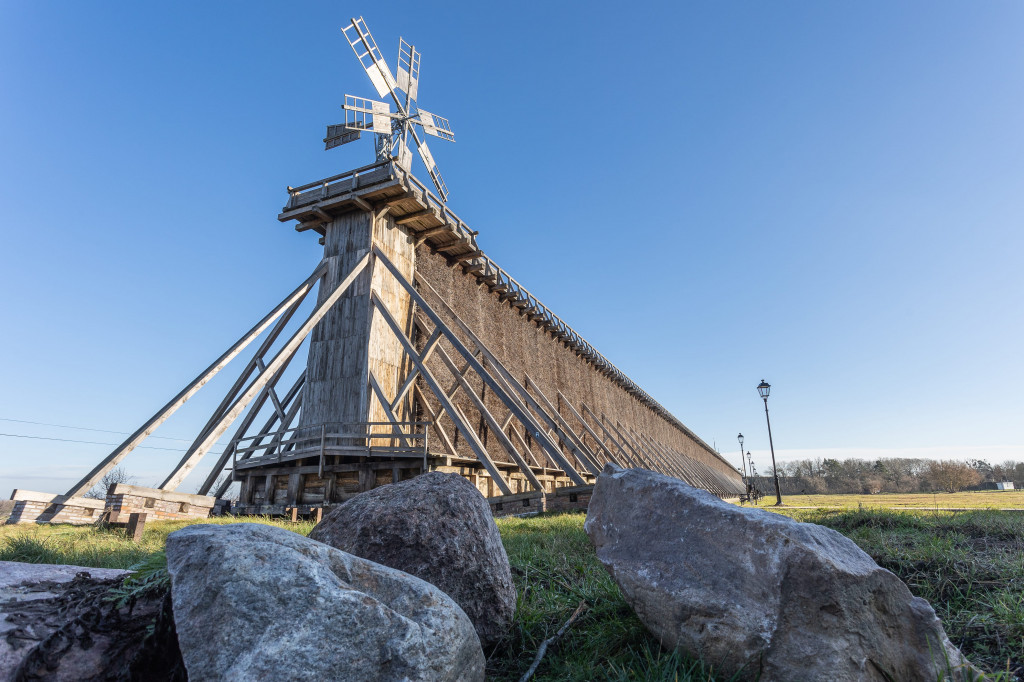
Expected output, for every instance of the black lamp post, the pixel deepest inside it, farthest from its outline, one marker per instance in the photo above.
(743, 462)
(762, 389)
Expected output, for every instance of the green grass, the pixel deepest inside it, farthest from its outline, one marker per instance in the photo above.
(555, 568)
(968, 565)
(102, 548)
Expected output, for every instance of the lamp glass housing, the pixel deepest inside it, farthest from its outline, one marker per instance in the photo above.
(763, 388)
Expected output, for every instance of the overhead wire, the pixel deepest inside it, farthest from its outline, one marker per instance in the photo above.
(88, 442)
(87, 428)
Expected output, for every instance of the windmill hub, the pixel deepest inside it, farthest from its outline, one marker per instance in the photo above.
(393, 130)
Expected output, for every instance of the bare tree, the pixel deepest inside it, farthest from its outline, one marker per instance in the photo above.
(112, 477)
(952, 476)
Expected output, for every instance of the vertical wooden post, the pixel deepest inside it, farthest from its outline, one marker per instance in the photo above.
(323, 444)
(136, 524)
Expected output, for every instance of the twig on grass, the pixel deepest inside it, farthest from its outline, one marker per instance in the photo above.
(551, 640)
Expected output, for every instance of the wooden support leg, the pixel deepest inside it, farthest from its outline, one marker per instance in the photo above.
(283, 356)
(122, 451)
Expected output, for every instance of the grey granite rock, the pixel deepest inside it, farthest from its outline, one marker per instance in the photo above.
(749, 590)
(258, 602)
(437, 527)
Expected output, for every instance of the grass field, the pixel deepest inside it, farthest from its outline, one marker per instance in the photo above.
(981, 499)
(968, 565)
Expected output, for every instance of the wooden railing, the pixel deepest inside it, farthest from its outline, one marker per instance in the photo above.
(362, 439)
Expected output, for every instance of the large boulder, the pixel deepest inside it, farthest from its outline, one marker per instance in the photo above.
(756, 593)
(258, 602)
(437, 527)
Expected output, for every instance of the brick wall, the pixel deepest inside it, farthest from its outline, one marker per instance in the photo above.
(35, 507)
(159, 505)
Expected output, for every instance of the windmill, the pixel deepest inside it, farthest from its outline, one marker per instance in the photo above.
(392, 129)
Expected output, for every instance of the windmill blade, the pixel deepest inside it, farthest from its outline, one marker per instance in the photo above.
(428, 161)
(367, 114)
(338, 135)
(369, 56)
(435, 125)
(408, 69)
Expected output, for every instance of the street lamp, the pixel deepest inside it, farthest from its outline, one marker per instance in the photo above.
(742, 461)
(762, 389)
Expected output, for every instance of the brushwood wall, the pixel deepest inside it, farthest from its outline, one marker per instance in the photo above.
(528, 350)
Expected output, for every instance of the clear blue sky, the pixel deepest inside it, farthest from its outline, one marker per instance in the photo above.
(827, 195)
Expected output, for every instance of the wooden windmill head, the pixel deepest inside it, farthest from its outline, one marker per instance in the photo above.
(392, 129)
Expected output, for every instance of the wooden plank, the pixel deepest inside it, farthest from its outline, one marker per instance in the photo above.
(470, 435)
(122, 451)
(189, 463)
(294, 489)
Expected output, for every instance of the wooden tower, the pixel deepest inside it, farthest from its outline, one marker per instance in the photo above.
(423, 355)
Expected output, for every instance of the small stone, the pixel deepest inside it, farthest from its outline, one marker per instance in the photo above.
(437, 527)
(258, 602)
(760, 595)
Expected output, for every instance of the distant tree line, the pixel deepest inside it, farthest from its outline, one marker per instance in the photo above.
(888, 475)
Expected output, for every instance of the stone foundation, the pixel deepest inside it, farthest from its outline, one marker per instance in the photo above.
(561, 499)
(158, 505)
(35, 507)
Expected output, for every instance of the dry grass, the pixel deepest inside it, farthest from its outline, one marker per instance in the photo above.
(981, 499)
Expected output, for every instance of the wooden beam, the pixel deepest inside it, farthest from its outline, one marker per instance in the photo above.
(461, 348)
(362, 203)
(247, 421)
(190, 461)
(434, 416)
(458, 244)
(586, 427)
(565, 433)
(122, 451)
(428, 350)
(608, 435)
(414, 216)
(470, 435)
(386, 406)
(427, 234)
(463, 257)
(492, 423)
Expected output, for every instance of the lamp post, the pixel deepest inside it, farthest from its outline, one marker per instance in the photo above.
(743, 462)
(762, 389)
